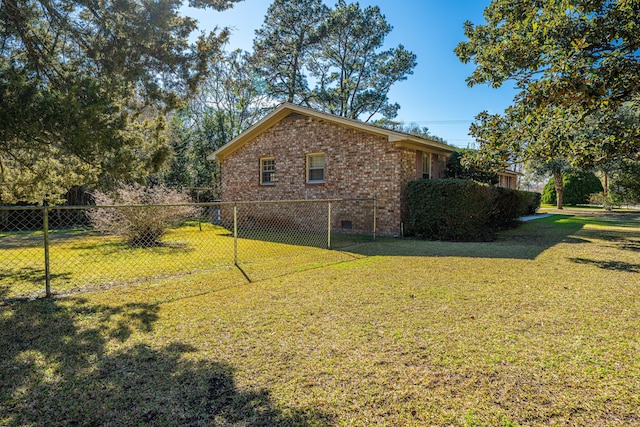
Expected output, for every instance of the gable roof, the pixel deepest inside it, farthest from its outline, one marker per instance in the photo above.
(401, 139)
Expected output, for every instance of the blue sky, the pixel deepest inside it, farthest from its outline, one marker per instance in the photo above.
(436, 95)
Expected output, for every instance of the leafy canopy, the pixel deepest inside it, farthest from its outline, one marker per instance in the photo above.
(577, 185)
(577, 65)
(283, 45)
(473, 168)
(85, 85)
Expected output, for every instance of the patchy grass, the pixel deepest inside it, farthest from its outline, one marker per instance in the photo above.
(537, 328)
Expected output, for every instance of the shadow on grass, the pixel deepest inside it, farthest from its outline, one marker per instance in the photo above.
(27, 283)
(609, 265)
(68, 362)
(35, 238)
(631, 245)
(315, 239)
(601, 217)
(21, 239)
(525, 242)
(620, 238)
(31, 275)
(108, 247)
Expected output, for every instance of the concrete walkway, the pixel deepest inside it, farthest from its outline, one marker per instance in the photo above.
(532, 217)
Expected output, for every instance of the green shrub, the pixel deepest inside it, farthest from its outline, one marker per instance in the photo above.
(508, 205)
(578, 187)
(448, 209)
(624, 186)
(549, 192)
(471, 171)
(454, 209)
(533, 202)
(529, 202)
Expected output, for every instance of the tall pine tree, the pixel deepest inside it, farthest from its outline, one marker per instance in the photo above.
(283, 45)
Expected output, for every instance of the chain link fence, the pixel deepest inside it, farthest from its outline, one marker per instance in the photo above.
(70, 249)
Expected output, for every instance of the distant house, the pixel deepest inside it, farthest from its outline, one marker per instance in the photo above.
(508, 178)
(298, 153)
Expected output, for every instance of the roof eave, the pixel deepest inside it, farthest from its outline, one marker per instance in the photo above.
(510, 172)
(421, 144)
(258, 128)
(283, 110)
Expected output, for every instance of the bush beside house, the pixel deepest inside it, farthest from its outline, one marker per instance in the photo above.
(454, 209)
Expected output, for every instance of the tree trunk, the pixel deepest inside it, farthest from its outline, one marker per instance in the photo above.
(605, 199)
(292, 83)
(557, 177)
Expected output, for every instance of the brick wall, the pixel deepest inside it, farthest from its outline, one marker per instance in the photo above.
(357, 165)
(409, 162)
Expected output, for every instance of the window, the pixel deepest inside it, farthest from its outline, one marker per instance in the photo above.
(267, 171)
(315, 168)
(426, 165)
(442, 166)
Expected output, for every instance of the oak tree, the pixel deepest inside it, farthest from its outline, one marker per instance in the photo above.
(577, 66)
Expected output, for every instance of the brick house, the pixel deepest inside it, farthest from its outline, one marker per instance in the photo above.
(508, 178)
(297, 153)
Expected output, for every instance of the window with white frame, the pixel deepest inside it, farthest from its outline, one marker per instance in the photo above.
(426, 165)
(267, 171)
(315, 168)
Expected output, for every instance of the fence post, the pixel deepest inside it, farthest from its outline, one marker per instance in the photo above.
(45, 228)
(235, 234)
(374, 218)
(329, 225)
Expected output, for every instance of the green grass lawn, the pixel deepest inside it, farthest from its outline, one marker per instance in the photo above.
(586, 209)
(537, 328)
(82, 259)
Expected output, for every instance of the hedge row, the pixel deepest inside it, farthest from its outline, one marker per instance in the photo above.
(455, 209)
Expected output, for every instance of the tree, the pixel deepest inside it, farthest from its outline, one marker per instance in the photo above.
(354, 76)
(411, 128)
(193, 137)
(228, 103)
(578, 186)
(235, 88)
(85, 86)
(577, 66)
(471, 169)
(624, 185)
(557, 168)
(283, 46)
